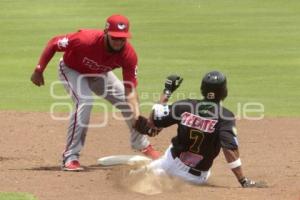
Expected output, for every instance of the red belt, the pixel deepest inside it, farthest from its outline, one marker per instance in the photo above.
(193, 171)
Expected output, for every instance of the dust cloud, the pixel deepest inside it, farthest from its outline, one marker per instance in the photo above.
(141, 180)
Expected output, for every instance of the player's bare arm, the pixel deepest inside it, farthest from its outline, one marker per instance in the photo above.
(235, 164)
(231, 157)
(133, 101)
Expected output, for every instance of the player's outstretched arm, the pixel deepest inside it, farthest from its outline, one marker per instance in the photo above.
(57, 43)
(37, 77)
(146, 126)
(171, 84)
(235, 164)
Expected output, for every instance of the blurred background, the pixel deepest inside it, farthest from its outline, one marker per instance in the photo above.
(255, 43)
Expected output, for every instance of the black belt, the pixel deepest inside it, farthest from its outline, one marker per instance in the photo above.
(193, 171)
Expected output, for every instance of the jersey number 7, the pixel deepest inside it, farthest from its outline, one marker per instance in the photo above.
(197, 137)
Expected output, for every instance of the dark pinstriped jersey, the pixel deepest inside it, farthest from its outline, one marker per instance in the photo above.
(203, 128)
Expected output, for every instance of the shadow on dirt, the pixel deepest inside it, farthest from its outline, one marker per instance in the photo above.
(8, 158)
(89, 168)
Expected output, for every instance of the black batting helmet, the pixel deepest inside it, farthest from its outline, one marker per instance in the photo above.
(214, 86)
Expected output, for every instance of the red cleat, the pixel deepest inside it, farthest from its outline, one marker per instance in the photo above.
(150, 152)
(72, 165)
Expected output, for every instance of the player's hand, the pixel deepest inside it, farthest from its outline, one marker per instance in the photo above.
(144, 127)
(37, 78)
(247, 183)
(171, 84)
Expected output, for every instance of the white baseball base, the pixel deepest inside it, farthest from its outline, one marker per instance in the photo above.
(123, 160)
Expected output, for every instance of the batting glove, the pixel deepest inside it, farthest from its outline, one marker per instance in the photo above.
(247, 183)
(171, 84)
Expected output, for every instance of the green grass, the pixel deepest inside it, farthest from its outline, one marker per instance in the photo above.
(255, 43)
(16, 196)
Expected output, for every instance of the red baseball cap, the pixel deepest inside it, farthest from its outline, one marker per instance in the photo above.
(117, 26)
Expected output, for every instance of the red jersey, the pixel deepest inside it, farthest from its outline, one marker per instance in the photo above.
(85, 52)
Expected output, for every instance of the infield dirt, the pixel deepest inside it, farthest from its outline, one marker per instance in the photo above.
(31, 145)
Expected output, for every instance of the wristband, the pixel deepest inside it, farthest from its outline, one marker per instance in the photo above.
(160, 110)
(167, 93)
(235, 164)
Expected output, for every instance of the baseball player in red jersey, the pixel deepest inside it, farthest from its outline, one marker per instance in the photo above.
(86, 67)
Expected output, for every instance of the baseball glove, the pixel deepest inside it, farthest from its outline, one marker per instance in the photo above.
(143, 127)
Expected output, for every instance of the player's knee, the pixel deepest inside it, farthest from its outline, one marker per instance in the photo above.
(85, 104)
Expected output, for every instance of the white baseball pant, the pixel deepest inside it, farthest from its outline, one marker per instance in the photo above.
(80, 87)
(167, 165)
